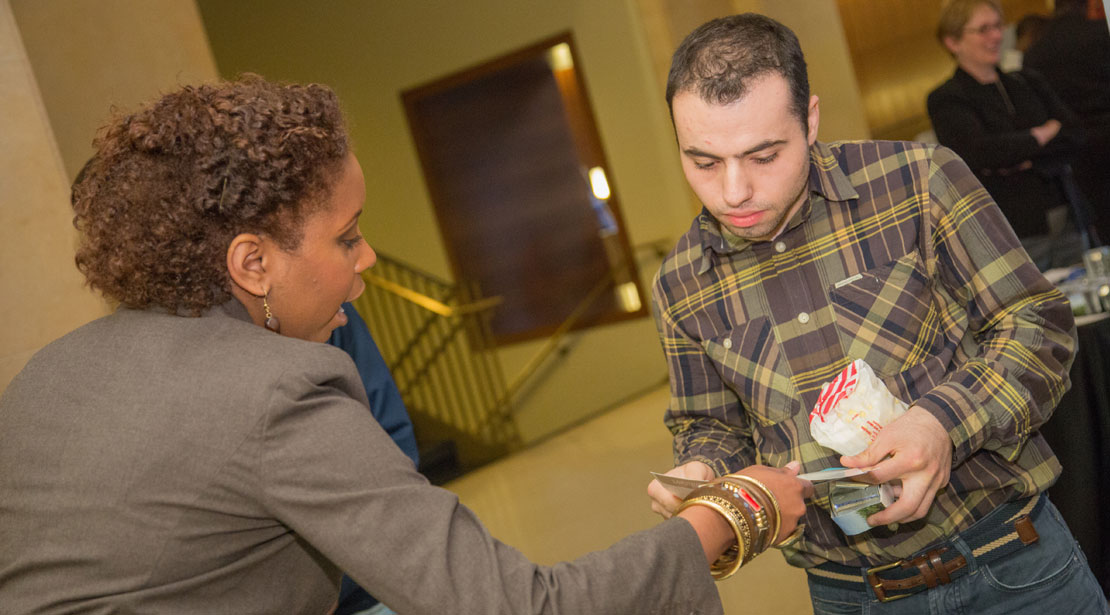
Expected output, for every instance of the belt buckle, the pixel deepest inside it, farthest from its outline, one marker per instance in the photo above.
(876, 583)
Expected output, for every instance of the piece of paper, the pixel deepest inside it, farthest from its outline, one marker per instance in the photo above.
(832, 474)
(677, 485)
(681, 486)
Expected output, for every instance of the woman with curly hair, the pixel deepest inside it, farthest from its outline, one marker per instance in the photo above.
(199, 451)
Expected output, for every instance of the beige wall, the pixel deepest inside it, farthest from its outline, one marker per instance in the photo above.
(63, 63)
(41, 296)
(91, 55)
(831, 78)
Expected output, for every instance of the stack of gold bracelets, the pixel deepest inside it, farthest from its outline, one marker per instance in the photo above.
(750, 509)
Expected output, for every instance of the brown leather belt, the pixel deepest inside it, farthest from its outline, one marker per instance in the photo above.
(1004, 531)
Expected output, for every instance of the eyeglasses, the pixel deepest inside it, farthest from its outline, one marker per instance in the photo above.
(986, 28)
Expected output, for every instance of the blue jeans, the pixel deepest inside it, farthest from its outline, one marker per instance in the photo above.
(1045, 578)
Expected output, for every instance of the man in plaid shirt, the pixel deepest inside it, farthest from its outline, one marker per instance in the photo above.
(809, 255)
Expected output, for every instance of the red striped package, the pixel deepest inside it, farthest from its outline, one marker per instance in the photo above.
(852, 409)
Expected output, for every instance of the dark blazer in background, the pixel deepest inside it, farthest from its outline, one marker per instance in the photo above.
(990, 131)
(1073, 54)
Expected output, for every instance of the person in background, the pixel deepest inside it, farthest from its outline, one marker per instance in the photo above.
(1073, 55)
(389, 410)
(385, 400)
(808, 256)
(1028, 30)
(1012, 130)
(202, 450)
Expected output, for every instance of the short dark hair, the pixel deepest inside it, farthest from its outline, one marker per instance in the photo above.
(719, 59)
(171, 184)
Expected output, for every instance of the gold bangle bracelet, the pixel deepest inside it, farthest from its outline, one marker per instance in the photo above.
(734, 516)
(725, 566)
(758, 512)
(735, 556)
(793, 538)
(744, 523)
(771, 496)
(772, 501)
(712, 490)
(732, 558)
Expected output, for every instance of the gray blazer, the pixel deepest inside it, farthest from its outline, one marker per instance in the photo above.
(152, 463)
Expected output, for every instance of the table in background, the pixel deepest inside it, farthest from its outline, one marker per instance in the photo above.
(1079, 433)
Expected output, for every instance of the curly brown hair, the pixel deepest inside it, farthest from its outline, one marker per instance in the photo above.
(171, 184)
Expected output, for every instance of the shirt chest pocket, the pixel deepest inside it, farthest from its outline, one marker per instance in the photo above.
(750, 361)
(887, 315)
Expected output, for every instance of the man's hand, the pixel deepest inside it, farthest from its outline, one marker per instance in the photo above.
(663, 501)
(916, 449)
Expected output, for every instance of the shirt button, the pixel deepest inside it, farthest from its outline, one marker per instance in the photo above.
(780, 247)
(803, 318)
(727, 343)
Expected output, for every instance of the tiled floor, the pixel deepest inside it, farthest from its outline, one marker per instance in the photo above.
(586, 488)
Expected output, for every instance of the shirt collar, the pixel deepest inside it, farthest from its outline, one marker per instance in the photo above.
(826, 181)
(965, 79)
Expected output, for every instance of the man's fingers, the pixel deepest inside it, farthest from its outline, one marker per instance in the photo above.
(883, 472)
(855, 461)
(912, 503)
(922, 508)
(874, 454)
(663, 502)
(901, 509)
(659, 510)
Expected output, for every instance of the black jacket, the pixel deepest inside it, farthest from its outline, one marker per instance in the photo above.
(1073, 54)
(989, 129)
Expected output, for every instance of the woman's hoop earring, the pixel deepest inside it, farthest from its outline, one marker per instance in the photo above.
(271, 322)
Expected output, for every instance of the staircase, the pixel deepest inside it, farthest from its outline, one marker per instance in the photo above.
(434, 337)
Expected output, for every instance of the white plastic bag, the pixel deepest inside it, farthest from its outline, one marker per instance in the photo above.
(852, 409)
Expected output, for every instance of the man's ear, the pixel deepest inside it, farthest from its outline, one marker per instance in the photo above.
(813, 118)
(246, 263)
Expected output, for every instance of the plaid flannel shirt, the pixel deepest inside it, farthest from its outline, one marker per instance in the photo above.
(902, 259)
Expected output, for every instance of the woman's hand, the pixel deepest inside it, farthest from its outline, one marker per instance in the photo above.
(790, 492)
(712, 528)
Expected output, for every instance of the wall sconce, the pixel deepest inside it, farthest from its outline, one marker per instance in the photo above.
(599, 184)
